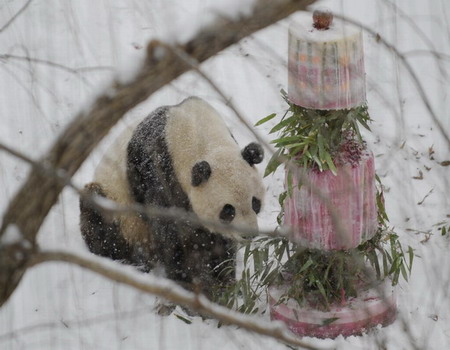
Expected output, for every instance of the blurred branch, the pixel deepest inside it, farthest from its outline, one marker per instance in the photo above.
(78, 72)
(171, 291)
(13, 18)
(34, 200)
(54, 64)
(108, 206)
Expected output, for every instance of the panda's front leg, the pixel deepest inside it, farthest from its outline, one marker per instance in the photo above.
(209, 262)
(194, 257)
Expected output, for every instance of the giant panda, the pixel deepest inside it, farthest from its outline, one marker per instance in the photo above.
(179, 156)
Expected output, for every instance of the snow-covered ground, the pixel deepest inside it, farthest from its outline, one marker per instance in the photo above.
(58, 306)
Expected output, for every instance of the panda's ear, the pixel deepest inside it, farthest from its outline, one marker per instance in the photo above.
(253, 153)
(201, 172)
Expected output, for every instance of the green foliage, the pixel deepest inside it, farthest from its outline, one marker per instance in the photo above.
(312, 137)
(444, 228)
(315, 276)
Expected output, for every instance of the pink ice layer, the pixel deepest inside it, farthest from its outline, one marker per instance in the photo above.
(355, 317)
(351, 196)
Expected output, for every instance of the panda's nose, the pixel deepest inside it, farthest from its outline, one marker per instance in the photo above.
(227, 214)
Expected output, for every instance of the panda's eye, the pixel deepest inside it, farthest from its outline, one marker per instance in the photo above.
(228, 213)
(256, 205)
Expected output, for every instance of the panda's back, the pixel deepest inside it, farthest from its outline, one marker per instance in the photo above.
(194, 132)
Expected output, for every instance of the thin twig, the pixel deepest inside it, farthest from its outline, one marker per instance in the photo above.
(55, 64)
(13, 18)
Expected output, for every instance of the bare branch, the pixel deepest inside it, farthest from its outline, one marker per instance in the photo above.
(13, 18)
(55, 64)
(108, 206)
(170, 291)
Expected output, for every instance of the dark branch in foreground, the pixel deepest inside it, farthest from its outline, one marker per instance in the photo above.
(28, 209)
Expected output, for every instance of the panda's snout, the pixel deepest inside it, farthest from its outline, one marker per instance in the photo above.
(227, 213)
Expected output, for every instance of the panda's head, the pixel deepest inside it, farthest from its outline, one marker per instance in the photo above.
(227, 188)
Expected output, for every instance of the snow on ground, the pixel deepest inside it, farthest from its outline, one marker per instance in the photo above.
(58, 306)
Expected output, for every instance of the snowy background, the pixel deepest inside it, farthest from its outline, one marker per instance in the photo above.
(58, 306)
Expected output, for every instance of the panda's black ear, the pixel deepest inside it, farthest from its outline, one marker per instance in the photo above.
(201, 172)
(253, 153)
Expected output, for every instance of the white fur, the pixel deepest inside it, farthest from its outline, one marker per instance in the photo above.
(195, 132)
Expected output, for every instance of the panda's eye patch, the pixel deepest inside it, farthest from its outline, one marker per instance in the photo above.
(228, 213)
(256, 205)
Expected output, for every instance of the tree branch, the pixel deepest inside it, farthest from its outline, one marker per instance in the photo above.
(39, 193)
(13, 18)
(171, 291)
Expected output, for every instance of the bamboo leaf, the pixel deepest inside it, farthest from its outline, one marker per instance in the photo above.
(266, 270)
(293, 145)
(385, 264)
(330, 163)
(182, 318)
(373, 258)
(395, 277)
(283, 123)
(246, 253)
(281, 198)
(356, 128)
(273, 164)
(328, 321)
(286, 140)
(271, 277)
(320, 143)
(289, 183)
(306, 265)
(257, 260)
(266, 119)
(411, 257)
(318, 162)
(322, 291)
(363, 123)
(378, 178)
(403, 270)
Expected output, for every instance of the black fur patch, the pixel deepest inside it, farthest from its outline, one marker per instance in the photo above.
(256, 205)
(253, 153)
(101, 235)
(201, 172)
(149, 165)
(104, 237)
